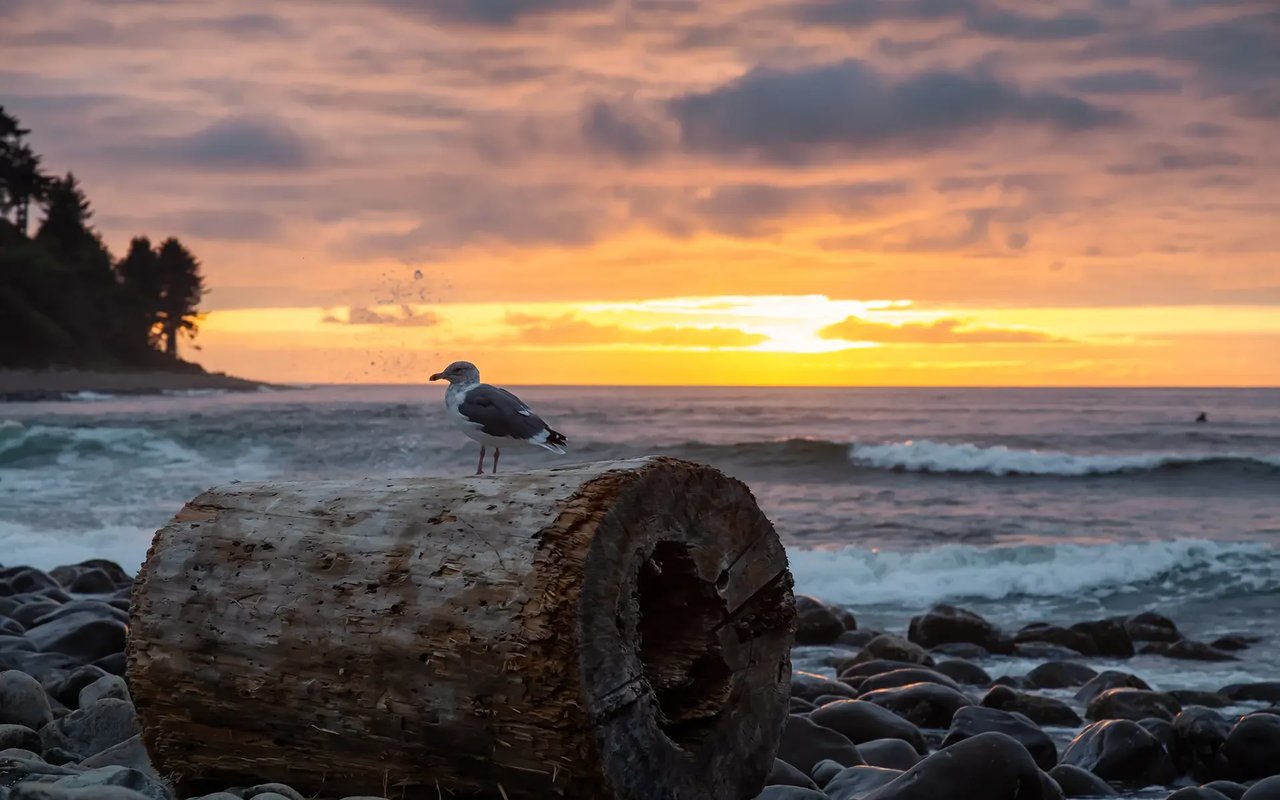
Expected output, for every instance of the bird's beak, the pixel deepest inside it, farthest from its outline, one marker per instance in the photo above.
(437, 376)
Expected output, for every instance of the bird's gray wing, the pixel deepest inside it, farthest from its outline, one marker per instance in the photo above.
(500, 413)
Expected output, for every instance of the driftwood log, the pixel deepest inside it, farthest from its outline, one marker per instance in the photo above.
(607, 630)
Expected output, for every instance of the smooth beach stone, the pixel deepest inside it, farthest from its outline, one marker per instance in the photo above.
(860, 721)
(893, 648)
(825, 770)
(1040, 710)
(1044, 650)
(865, 669)
(1231, 789)
(91, 730)
(1108, 635)
(963, 672)
(1252, 748)
(1055, 634)
(1121, 752)
(783, 774)
(57, 755)
(857, 638)
(114, 664)
(28, 613)
(1077, 782)
(1260, 691)
(118, 574)
(1061, 675)
(1197, 651)
(810, 686)
(960, 650)
(130, 753)
(823, 699)
(83, 635)
(21, 580)
(9, 644)
(106, 686)
(64, 686)
(990, 766)
(847, 618)
(1266, 789)
(816, 621)
(790, 793)
(11, 627)
(927, 705)
(905, 677)
(801, 706)
(87, 606)
(1201, 733)
(1013, 682)
(23, 701)
(1234, 642)
(1194, 697)
(1151, 627)
(804, 743)
(52, 791)
(273, 788)
(1109, 679)
(975, 720)
(226, 796)
(93, 581)
(1134, 704)
(854, 783)
(114, 776)
(1162, 730)
(18, 736)
(888, 753)
(38, 665)
(946, 624)
(1196, 793)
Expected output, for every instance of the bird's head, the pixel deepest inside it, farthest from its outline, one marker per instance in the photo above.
(459, 372)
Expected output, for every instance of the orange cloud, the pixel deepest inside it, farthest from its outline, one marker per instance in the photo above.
(363, 315)
(942, 331)
(568, 329)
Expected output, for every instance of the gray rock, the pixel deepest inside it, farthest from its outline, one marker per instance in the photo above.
(855, 783)
(804, 743)
(889, 754)
(1045, 650)
(268, 788)
(969, 722)
(905, 677)
(1233, 790)
(49, 791)
(893, 648)
(816, 621)
(1196, 793)
(19, 736)
(1041, 710)
(783, 774)
(1197, 651)
(10, 643)
(853, 668)
(990, 766)
(83, 635)
(116, 776)
(810, 686)
(959, 650)
(790, 793)
(1261, 692)
(1109, 679)
(860, 721)
(28, 613)
(1200, 734)
(64, 686)
(1151, 627)
(1252, 748)
(93, 729)
(825, 770)
(23, 701)
(112, 686)
(927, 705)
(1121, 752)
(11, 627)
(1060, 675)
(963, 672)
(93, 581)
(130, 753)
(219, 796)
(1077, 782)
(1265, 789)
(99, 608)
(1134, 704)
(945, 624)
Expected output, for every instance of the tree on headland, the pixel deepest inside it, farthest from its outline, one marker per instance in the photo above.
(21, 180)
(64, 299)
(183, 288)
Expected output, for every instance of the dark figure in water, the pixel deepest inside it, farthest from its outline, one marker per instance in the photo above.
(1203, 417)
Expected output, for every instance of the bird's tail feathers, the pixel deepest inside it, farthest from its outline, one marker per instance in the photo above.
(553, 441)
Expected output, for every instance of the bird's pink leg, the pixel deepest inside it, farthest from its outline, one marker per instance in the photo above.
(480, 466)
(496, 453)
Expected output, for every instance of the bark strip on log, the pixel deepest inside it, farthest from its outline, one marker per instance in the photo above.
(606, 630)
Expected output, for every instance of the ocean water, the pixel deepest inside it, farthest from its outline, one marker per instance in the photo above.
(1045, 504)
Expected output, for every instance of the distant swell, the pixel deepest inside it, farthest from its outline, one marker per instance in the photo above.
(929, 456)
(866, 576)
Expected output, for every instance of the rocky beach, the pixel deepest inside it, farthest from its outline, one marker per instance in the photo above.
(875, 715)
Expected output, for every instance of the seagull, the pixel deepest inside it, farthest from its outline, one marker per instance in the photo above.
(493, 416)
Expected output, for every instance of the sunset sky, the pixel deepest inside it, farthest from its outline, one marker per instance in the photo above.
(833, 192)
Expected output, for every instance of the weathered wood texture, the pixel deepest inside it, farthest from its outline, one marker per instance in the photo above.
(606, 630)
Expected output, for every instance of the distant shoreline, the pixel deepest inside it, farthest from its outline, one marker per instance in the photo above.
(27, 386)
